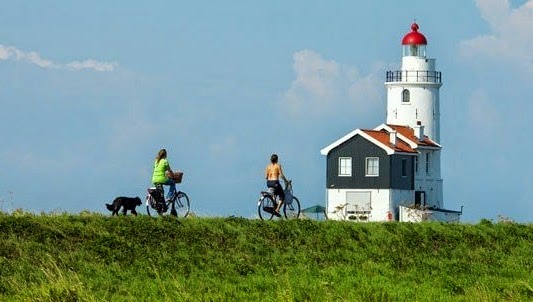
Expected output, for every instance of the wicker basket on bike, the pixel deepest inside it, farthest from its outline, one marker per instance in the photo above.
(177, 176)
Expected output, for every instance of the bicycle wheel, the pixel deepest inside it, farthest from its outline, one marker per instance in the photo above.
(181, 206)
(266, 208)
(153, 208)
(292, 210)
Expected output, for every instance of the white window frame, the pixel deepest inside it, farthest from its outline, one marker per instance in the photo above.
(345, 166)
(374, 167)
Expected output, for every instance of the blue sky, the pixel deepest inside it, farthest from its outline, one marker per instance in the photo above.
(89, 92)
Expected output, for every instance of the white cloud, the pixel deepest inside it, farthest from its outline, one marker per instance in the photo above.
(316, 81)
(366, 91)
(510, 39)
(92, 64)
(13, 53)
(322, 85)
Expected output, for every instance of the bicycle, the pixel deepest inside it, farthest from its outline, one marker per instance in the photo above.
(156, 205)
(267, 203)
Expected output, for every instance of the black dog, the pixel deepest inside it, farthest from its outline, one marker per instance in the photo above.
(127, 203)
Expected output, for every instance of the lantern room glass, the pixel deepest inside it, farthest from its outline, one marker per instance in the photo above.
(414, 50)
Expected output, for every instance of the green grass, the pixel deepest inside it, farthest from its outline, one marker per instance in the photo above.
(91, 257)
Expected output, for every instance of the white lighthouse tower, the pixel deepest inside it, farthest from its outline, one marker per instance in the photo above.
(413, 100)
(413, 91)
(392, 172)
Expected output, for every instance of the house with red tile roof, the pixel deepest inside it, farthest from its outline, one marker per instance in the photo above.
(392, 172)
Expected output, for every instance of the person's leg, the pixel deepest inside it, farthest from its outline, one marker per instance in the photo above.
(281, 196)
(172, 188)
(271, 184)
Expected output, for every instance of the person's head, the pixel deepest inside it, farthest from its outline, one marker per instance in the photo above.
(160, 155)
(274, 158)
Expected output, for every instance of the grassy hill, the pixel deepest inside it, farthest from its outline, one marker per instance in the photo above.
(91, 257)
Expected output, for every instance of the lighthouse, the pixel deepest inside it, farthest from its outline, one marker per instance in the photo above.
(413, 91)
(413, 101)
(393, 172)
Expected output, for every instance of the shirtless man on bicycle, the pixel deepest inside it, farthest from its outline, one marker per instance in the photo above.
(272, 175)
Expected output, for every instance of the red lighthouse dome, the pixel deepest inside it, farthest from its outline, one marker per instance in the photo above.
(414, 37)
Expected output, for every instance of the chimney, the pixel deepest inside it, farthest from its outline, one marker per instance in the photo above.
(419, 131)
(393, 137)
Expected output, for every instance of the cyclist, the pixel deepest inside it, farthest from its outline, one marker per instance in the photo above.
(161, 170)
(272, 175)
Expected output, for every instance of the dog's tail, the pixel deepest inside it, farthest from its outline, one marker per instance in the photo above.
(109, 207)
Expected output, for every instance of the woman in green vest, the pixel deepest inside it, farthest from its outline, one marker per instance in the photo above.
(161, 170)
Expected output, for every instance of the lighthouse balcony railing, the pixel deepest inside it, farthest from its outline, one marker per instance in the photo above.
(414, 76)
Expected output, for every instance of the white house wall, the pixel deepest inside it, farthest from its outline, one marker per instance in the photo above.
(383, 204)
(431, 182)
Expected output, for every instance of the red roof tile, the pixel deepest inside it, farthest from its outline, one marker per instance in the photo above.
(406, 141)
(409, 133)
(384, 137)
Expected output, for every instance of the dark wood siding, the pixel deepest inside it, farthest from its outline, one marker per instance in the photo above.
(397, 180)
(359, 148)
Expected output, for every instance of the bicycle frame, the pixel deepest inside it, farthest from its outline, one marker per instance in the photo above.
(290, 208)
(270, 191)
(179, 205)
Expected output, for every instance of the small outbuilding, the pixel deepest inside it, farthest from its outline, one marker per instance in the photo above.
(318, 210)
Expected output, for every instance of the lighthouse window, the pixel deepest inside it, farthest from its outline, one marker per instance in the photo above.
(404, 167)
(345, 166)
(372, 166)
(413, 50)
(416, 165)
(405, 96)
